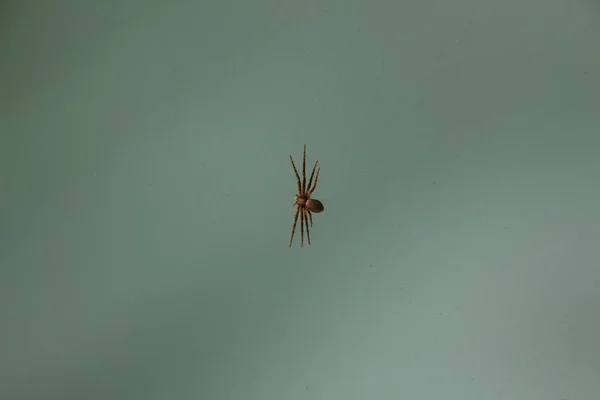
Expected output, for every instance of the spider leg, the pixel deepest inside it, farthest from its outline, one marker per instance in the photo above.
(307, 229)
(301, 228)
(294, 226)
(309, 216)
(304, 172)
(315, 185)
(312, 175)
(297, 176)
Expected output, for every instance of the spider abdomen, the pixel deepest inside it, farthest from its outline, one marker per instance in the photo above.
(314, 205)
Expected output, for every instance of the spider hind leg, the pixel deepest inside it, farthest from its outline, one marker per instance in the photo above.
(307, 228)
(294, 226)
(301, 228)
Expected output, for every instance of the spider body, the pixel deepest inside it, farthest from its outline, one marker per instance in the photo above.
(312, 205)
(305, 204)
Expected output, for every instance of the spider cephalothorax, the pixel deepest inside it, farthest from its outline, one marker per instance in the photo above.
(305, 205)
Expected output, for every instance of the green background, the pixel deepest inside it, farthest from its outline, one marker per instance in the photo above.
(146, 192)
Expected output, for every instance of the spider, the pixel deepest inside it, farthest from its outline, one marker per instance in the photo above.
(305, 205)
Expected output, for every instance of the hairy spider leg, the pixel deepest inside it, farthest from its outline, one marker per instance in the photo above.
(304, 172)
(294, 226)
(310, 192)
(297, 176)
(312, 176)
(309, 216)
(301, 228)
(307, 229)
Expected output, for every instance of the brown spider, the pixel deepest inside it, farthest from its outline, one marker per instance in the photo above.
(304, 204)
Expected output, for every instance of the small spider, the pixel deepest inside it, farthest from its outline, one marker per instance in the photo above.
(304, 204)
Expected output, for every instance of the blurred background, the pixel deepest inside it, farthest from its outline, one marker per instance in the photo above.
(146, 200)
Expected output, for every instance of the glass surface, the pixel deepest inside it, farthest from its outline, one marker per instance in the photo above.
(146, 200)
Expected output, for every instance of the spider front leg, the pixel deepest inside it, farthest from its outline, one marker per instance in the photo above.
(312, 174)
(311, 190)
(300, 192)
(304, 172)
